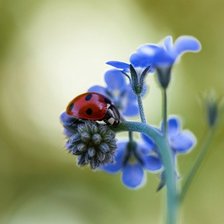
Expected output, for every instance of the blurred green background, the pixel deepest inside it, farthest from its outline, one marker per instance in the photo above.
(52, 50)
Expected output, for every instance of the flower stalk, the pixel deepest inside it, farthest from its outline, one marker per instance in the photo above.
(164, 109)
(95, 145)
(141, 109)
(164, 150)
(196, 165)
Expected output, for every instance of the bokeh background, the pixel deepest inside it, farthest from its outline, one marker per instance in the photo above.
(52, 50)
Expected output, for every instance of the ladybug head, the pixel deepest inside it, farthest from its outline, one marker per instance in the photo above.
(112, 116)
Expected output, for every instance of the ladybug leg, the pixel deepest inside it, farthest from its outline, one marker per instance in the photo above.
(112, 116)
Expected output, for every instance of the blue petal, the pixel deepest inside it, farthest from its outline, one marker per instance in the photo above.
(149, 142)
(68, 133)
(163, 58)
(186, 44)
(174, 125)
(144, 150)
(148, 49)
(115, 80)
(98, 89)
(67, 120)
(182, 142)
(64, 117)
(168, 43)
(144, 56)
(141, 60)
(133, 175)
(130, 110)
(157, 54)
(152, 163)
(131, 95)
(144, 89)
(118, 163)
(119, 65)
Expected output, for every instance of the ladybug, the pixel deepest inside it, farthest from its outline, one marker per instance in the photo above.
(95, 107)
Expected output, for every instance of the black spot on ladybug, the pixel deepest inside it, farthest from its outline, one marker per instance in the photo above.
(71, 106)
(107, 100)
(89, 111)
(88, 97)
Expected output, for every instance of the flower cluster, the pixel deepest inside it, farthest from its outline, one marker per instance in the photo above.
(160, 57)
(132, 159)
(94, 143)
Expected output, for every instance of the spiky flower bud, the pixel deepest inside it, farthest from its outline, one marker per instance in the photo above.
(93, 143)
(137, 79)
(212, 107)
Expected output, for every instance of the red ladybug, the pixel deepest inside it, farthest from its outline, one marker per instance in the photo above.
(95, 107)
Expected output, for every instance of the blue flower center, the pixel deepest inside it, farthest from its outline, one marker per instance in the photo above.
(132, 155)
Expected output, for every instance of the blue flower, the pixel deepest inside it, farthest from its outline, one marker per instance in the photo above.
(119, 92)
(138, 65)
(165, 54)
(132, 159)
(136, 74)
(162, 57)
(180, 141)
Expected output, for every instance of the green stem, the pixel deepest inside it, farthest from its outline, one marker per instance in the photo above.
(141, 109)
(130, 136)
(203, 151)
(167, 159)
(173, 218)
(164, 106)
